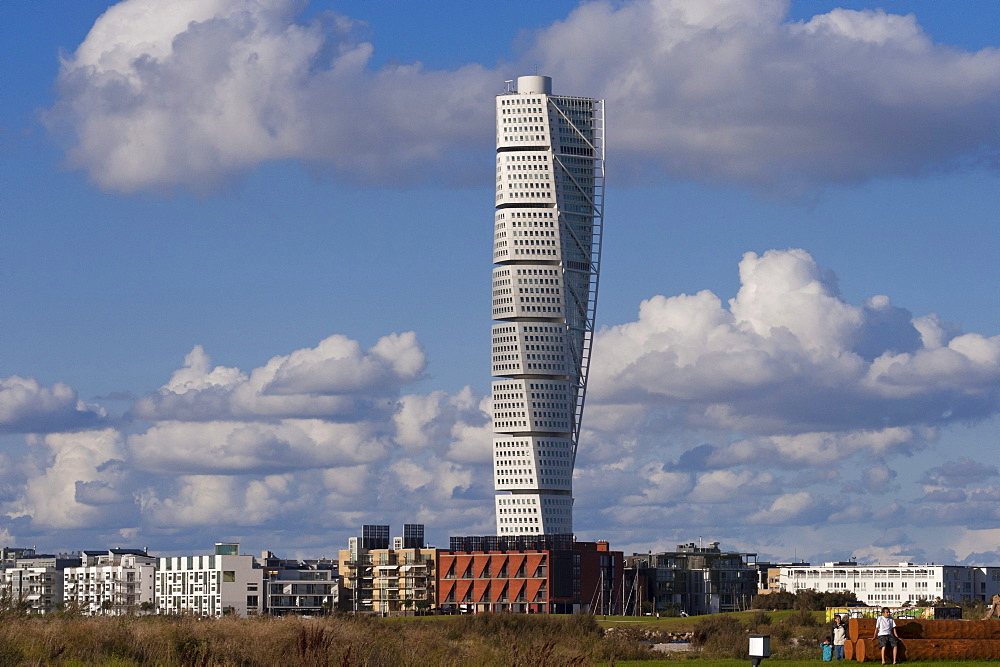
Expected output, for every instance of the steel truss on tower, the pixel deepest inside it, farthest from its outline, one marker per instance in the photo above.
(548, 231)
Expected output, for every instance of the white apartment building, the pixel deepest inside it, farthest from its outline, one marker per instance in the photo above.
(548, 228)
(224, 582)
(113, 582)
(39, 588)
(36, 582)
(893, 585)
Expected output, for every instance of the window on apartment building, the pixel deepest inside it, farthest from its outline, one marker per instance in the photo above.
(252, 601)
(228, 576)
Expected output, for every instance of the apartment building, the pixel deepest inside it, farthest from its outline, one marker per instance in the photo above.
(769, 575)
(36, 581)
(9, 555)
(547, 231)
(305, 587)
(111, 582)
(224, 582)
(547, 574)
(388, 581)
(694, 579)
(893, 585)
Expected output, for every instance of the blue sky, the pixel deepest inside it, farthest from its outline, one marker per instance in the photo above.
(303, 191)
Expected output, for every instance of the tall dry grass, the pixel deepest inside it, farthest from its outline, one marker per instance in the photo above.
(795, 636)
(483, 639)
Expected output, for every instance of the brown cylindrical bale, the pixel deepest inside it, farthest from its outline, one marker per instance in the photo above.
(947, 629)
(924, 628)
(867, 649)
(860, 627)
(849, 649)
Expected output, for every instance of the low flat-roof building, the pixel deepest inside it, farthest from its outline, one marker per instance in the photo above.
(892, 585)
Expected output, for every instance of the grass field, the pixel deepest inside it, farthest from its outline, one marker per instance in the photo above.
(687, 623)
(677, 624)
(341, 640)
(746, 618)
(483, 640)
(701, 662)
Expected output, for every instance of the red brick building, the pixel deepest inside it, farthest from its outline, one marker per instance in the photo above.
(547, 574)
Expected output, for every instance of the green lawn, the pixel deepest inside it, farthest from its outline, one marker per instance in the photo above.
(686, 624)
(788, 663)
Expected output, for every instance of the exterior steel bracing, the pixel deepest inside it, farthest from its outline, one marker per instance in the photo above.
(548, 229)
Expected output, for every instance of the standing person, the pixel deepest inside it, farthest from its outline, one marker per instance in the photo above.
(839, 633)
(885, 633)
(827, 650)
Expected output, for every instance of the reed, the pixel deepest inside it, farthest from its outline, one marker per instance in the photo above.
(482, 639)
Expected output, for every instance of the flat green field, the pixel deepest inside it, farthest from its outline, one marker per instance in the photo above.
(687, 623)
(788, 663)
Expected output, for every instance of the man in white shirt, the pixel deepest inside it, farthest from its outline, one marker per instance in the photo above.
(885, 633)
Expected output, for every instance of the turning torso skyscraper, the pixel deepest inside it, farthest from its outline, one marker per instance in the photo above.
(546, 254)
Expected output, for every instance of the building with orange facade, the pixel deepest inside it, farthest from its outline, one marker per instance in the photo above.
(551, 574)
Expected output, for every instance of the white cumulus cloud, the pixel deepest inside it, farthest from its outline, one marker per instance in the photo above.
(335, 379)
(241, 447)
(26, 406)
(790, 356)
(192, 93)
(80, 480)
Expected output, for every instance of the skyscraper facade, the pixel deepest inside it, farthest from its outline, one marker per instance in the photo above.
(546, 253)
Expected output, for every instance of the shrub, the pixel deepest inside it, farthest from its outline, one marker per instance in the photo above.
(804, 599)
(721, 636)
(759, 620)
(773, 601)
(802, 618)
